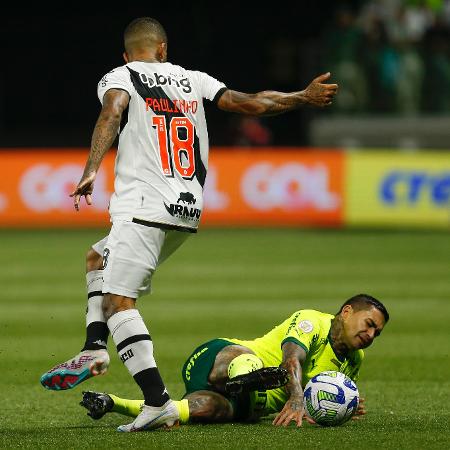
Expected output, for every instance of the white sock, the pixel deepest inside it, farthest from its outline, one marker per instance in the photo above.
(135, 349)
(132, 339)
(96, 328)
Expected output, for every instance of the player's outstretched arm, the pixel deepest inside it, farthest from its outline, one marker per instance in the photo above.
(271, 103)
(293, 357)
(114, 103)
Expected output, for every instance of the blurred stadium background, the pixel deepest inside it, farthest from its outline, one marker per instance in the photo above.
(302, 210)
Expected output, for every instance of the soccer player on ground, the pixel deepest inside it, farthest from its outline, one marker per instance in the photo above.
(221, 381)
(157, 109)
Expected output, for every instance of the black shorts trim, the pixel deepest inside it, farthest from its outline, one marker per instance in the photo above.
(164, 226)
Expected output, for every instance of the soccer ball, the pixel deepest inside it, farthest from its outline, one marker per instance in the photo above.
(330, 398)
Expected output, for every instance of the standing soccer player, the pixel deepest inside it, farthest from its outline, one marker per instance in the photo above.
(160, 173)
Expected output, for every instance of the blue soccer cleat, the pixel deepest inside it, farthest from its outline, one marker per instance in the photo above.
(71, 373)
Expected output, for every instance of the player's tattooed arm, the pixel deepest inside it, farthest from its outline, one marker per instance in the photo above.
(293, 358)
(115, 102)
(270, 103)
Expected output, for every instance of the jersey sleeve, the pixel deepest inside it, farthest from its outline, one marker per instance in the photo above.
(118, 78)
(304, 329)
(209, 87)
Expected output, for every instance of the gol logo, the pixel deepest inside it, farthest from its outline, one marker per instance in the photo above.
(43, 187)
(290, 186)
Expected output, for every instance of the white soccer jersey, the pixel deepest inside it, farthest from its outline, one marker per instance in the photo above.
(162, 158)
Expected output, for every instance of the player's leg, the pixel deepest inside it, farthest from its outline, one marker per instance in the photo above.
(135, 347)
(99, 403)
(93, 358)
(237, 369)
(231, 361)
(209, 407)
(173, 240)
(196, 407)
(134, 251)
(96, 328)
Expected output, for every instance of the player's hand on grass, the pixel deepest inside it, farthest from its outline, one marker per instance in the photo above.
(84, 188)
(319, 93)
(292, 412)
(361, 410)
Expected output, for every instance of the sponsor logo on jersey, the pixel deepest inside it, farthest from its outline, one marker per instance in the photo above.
(187, 197)
(191, 362)
(183, 211)
(306, 326)
(161, 80)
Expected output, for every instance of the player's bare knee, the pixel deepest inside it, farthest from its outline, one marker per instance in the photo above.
(209, 407)
(94, 261)
(219, 373)
(113, 304)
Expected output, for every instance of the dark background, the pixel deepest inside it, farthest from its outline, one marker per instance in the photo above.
(52, 62)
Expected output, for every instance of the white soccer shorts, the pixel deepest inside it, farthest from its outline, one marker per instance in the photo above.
(131, 253)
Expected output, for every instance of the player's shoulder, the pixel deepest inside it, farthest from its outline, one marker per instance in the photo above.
(113, 74)
(313, 314)
(154, 66)
(310, 321)
(118, 69)
(119, 77)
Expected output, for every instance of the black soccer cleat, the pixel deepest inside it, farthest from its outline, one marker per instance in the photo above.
(97, 403)
(259, 380)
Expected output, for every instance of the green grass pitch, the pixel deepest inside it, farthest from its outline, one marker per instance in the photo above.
(235, 283)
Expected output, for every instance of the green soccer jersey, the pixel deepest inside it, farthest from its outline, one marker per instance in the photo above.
(309, 329)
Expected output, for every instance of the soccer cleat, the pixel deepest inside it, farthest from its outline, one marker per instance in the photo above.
(258, 380)
(97, 404)
(69, 374)
(153, 417)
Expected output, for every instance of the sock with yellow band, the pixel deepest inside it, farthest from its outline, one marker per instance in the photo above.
(125, 406)
(132, 408)
(183, 410)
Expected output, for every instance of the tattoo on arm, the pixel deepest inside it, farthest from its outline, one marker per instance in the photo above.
(278, 102)
(104, 134)
(293, 356)
(266, 103)
(106, 128)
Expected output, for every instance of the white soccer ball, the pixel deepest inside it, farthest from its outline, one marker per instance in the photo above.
(330, 398)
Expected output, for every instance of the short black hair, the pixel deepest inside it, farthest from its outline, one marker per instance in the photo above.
(144, 29)
(364, 301)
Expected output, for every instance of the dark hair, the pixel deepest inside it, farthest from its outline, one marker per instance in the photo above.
(144, 26)
(364, 301)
